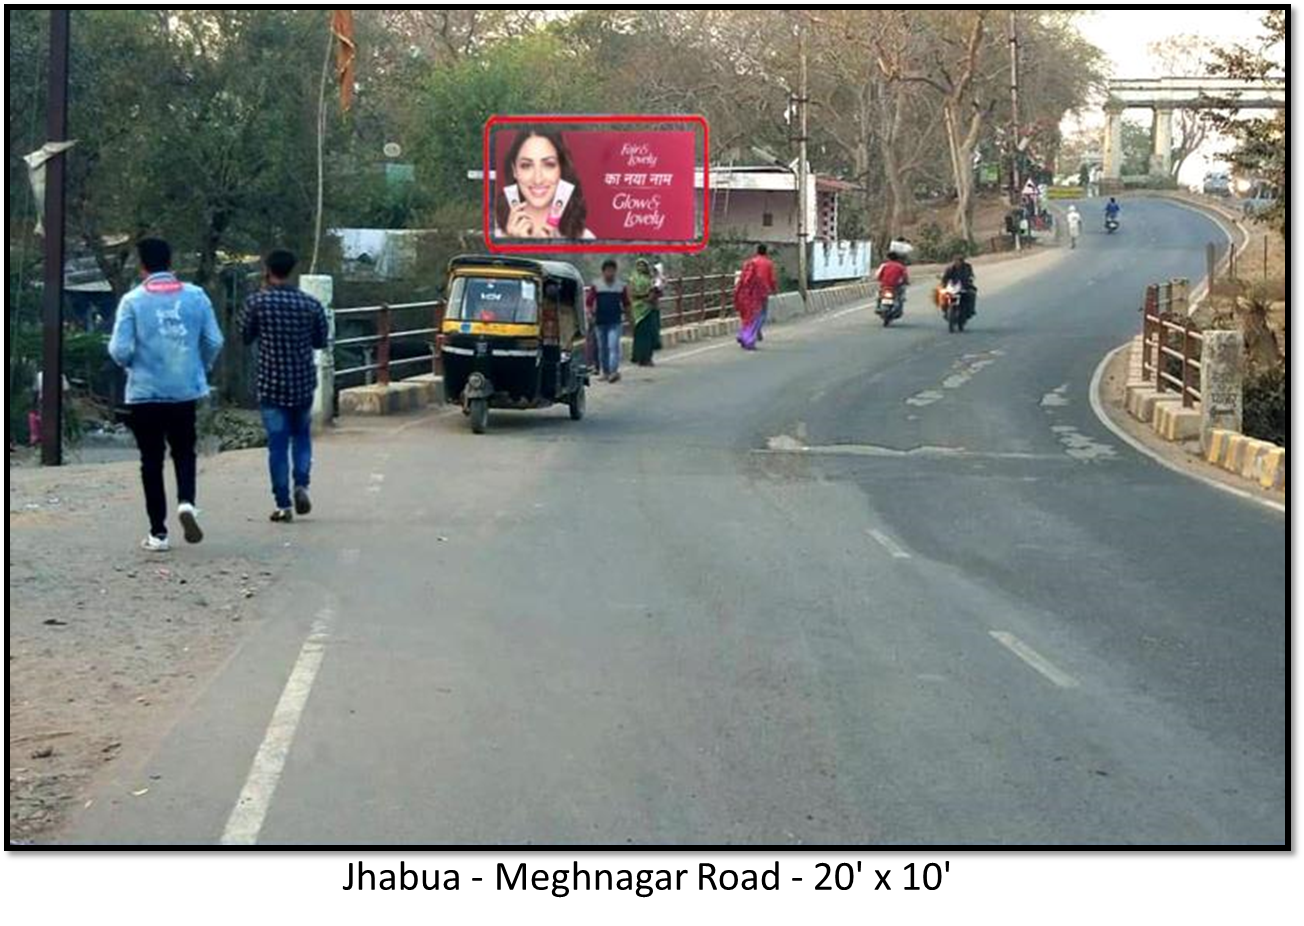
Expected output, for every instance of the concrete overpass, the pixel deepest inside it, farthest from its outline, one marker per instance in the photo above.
(1162, 95)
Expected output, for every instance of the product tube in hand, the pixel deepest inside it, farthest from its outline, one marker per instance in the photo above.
(560, 202)
(513, 194)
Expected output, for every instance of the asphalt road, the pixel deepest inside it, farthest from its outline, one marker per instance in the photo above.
(863, 586)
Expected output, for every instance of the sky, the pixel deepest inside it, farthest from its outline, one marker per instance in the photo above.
(1125, 34)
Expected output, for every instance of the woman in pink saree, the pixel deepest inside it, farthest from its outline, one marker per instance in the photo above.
(755, 285)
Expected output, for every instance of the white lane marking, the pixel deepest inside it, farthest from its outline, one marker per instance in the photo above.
(927, 397)
(1080, 446)
(724, 342)
(887, 543)
(377, 477)
(1056, 397)
(786, 443)
(728, 341)
(850, 311)
(1093, 397)
(246, 820)
(1034, 659)
(350, 555)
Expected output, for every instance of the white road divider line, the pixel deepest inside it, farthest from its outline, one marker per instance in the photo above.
(887, 543)
(724, 342)
(246, 819)
(1033, 658)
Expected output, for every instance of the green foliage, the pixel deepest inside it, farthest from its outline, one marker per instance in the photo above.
(1259, 142)
(933, 245)
(1264, 414)
(535, 74)
(1137, 146)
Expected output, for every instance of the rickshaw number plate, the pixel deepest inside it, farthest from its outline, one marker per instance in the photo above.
(481, 348)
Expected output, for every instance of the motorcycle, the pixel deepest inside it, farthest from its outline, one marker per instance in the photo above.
(891, 304)
(950, 299)
(1111, 225)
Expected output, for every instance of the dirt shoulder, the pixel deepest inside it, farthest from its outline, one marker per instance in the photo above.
(106, 642)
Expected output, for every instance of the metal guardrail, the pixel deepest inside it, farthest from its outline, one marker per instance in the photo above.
(685, 300)
(697, 298)
(1170, 341)
(385, 335)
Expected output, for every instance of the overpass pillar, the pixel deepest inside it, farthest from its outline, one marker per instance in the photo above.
(1113, 147)
(1161, 159)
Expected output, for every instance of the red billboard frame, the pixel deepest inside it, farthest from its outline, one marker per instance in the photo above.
(690, 247)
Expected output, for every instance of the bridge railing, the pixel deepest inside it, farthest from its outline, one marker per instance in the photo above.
(378, 348)
(1170, 342)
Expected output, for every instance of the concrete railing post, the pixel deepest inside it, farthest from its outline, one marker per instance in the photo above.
(321, 286)
(1222, 374)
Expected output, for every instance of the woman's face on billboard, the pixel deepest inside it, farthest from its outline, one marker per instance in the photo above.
(537, 170)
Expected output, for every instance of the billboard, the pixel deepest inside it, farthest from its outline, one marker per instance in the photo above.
(595, 183)
(839, 260)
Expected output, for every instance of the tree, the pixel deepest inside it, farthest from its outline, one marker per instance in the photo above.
(959, 73)
(537, 73)
(1260, 141)
(1182, 55)
(1136, 145)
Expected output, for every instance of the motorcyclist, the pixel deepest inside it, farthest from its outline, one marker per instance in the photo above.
(960, 272)
(892, 273)
(1112, 209)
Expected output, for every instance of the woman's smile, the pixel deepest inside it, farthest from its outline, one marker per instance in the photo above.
(538, 170)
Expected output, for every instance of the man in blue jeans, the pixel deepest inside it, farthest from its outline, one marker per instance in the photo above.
(166, 337)
(287, 325)
(609, 300)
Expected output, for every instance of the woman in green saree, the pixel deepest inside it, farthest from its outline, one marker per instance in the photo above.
(647, 318)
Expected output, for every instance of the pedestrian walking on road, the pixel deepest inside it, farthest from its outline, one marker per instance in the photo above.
(609, 299)
(659, 282)
(287, 324)
(756, 283)
(1074, 222)
(166, 337)
(38, 401)
(643, 307)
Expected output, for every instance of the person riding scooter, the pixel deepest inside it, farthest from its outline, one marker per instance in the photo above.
(892, 274)
(960, 273)
(1111, 213)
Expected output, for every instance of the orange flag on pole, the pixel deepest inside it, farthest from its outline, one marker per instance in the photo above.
(345, 51)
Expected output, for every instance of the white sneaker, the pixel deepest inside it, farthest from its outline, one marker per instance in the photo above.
(155, 544)
(188, 515)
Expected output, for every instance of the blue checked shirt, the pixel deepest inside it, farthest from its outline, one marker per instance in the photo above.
(288, 324)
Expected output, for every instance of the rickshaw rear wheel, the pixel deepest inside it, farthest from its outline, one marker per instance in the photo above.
(479, 409)
(577, 403)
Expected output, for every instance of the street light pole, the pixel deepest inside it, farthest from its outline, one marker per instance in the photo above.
(1013, 121)
(52, 311)
(803, 195)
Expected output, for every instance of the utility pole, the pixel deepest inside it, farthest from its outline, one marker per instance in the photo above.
(52, 313)
(803, 196)
(1013, 121)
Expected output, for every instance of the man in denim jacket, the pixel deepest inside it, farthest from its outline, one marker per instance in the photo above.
(166, 337)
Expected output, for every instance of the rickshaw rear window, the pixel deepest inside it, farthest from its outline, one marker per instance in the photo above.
(493, 299)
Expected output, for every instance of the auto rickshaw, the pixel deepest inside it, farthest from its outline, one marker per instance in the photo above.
(513, 336)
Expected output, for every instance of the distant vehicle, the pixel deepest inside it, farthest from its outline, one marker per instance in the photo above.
(1217, 184)
(1262, 198)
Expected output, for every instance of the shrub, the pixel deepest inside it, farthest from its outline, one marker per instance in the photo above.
(1264, 397)
(934, 246)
